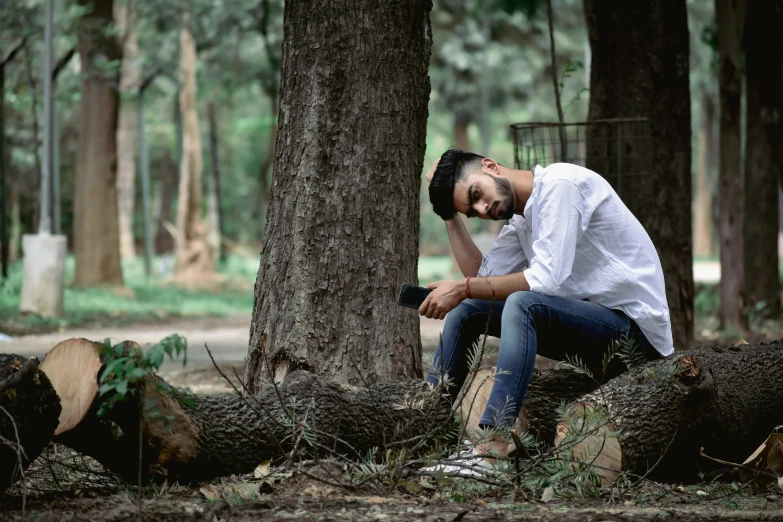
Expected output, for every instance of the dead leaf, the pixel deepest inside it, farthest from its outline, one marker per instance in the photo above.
(775, 458)
(768, 458)
(242, 490)
(315, 490)
(739, 342)
(378, 500)
(548, 495)
(780, 482)
(262, 470)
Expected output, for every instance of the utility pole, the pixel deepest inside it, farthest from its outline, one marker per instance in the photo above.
(44, 253)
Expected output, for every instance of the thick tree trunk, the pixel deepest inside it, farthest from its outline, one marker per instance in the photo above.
(342, 228)
(725, 400)
(193, 253)
(126, 131)
(763, 161)
(702, 206)
(461, 123)
(192, 438)
(639, 68)
(729, 16)
(95, 228)
(29, 409)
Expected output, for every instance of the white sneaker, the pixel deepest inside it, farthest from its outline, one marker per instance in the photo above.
(467, 462)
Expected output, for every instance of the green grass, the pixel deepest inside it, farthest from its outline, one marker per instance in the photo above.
(142, 301)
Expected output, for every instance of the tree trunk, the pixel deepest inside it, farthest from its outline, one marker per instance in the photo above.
(192, 438)
(702, 206)
(461, 123)
(95, 228)
(166, 193)
(639, 68)
(725, 400)
(763, 162)
(214, 202)
(192, 250)
(343, 224)
(29, 409)
(729, 16)
(126, 131)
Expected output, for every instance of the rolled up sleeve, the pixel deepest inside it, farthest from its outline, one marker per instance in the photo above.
(564, 218)
(505, 256)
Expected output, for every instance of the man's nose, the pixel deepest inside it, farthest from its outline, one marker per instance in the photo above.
(482, 208)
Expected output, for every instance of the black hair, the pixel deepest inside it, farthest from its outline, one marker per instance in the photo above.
(454, 166)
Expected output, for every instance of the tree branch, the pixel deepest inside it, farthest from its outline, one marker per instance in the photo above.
(12, 52)
(62, 63)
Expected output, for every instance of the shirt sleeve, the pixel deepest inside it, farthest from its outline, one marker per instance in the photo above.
(506, 255)
(564, 216)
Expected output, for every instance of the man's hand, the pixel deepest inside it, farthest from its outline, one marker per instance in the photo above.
(431, 172)
(445, 297)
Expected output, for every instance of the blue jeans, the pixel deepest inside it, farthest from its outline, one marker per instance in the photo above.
(529, 323)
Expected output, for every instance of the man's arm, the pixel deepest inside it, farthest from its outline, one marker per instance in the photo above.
(447, 295)
(466, 252)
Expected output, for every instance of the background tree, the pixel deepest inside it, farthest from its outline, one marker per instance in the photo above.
(763, 161)
(193, 251)
(342, 228)
(640, 57)
(95, 228)
(127, 126)
(730, 20)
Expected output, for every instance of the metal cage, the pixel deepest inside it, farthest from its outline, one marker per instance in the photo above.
(620, 150)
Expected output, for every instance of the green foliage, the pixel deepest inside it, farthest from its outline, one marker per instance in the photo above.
(127, 367)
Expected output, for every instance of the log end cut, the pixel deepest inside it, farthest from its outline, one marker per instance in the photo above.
(72, 367)
(588, 439)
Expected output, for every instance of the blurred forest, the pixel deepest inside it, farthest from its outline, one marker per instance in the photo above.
(197, 93)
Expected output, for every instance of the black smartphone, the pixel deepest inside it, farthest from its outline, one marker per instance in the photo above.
(412, 296)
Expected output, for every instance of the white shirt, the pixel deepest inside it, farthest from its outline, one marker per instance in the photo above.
(581, 241)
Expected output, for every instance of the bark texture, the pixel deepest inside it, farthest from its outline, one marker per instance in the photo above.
(763, 161)
(29, 409)
(219, 435)
(342, 227)
(729, 17)
(192, 250)
(95, 229)
(639, 68)
(126, 132)
(710, 403)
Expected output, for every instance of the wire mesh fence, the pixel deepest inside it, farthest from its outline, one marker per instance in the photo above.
(620, 150)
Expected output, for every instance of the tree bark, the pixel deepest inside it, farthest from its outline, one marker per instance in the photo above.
(729, 17)
(29, 409)
(192, 249)
(702, 206)
(126, 131)
(166, 193)
(639, 68)
(725, 400)
(191, 438)
(342, 227)
(95, 228)
(763, 161)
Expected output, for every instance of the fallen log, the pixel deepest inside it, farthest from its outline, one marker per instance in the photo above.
(29, 410)
(724, 400)
(193, 438)
(547, 391)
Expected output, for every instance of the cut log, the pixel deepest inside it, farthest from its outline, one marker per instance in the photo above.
(193, 438)
(725, 400)
(72, 367)
(547, 391)
(29, 410)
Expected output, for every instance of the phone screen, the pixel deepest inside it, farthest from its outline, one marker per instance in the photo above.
(412, 296)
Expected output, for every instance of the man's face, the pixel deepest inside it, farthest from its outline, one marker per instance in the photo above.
(485, 196)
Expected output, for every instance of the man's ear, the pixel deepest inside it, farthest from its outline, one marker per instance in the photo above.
(489, 166)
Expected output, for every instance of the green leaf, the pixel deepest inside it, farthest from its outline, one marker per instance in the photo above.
(122, 387)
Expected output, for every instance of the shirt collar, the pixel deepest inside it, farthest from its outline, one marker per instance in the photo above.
(538, 174)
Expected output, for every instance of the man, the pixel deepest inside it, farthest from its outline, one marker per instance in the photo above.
(572, 272)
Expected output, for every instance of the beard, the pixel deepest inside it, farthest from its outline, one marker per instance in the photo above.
(506, 198)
